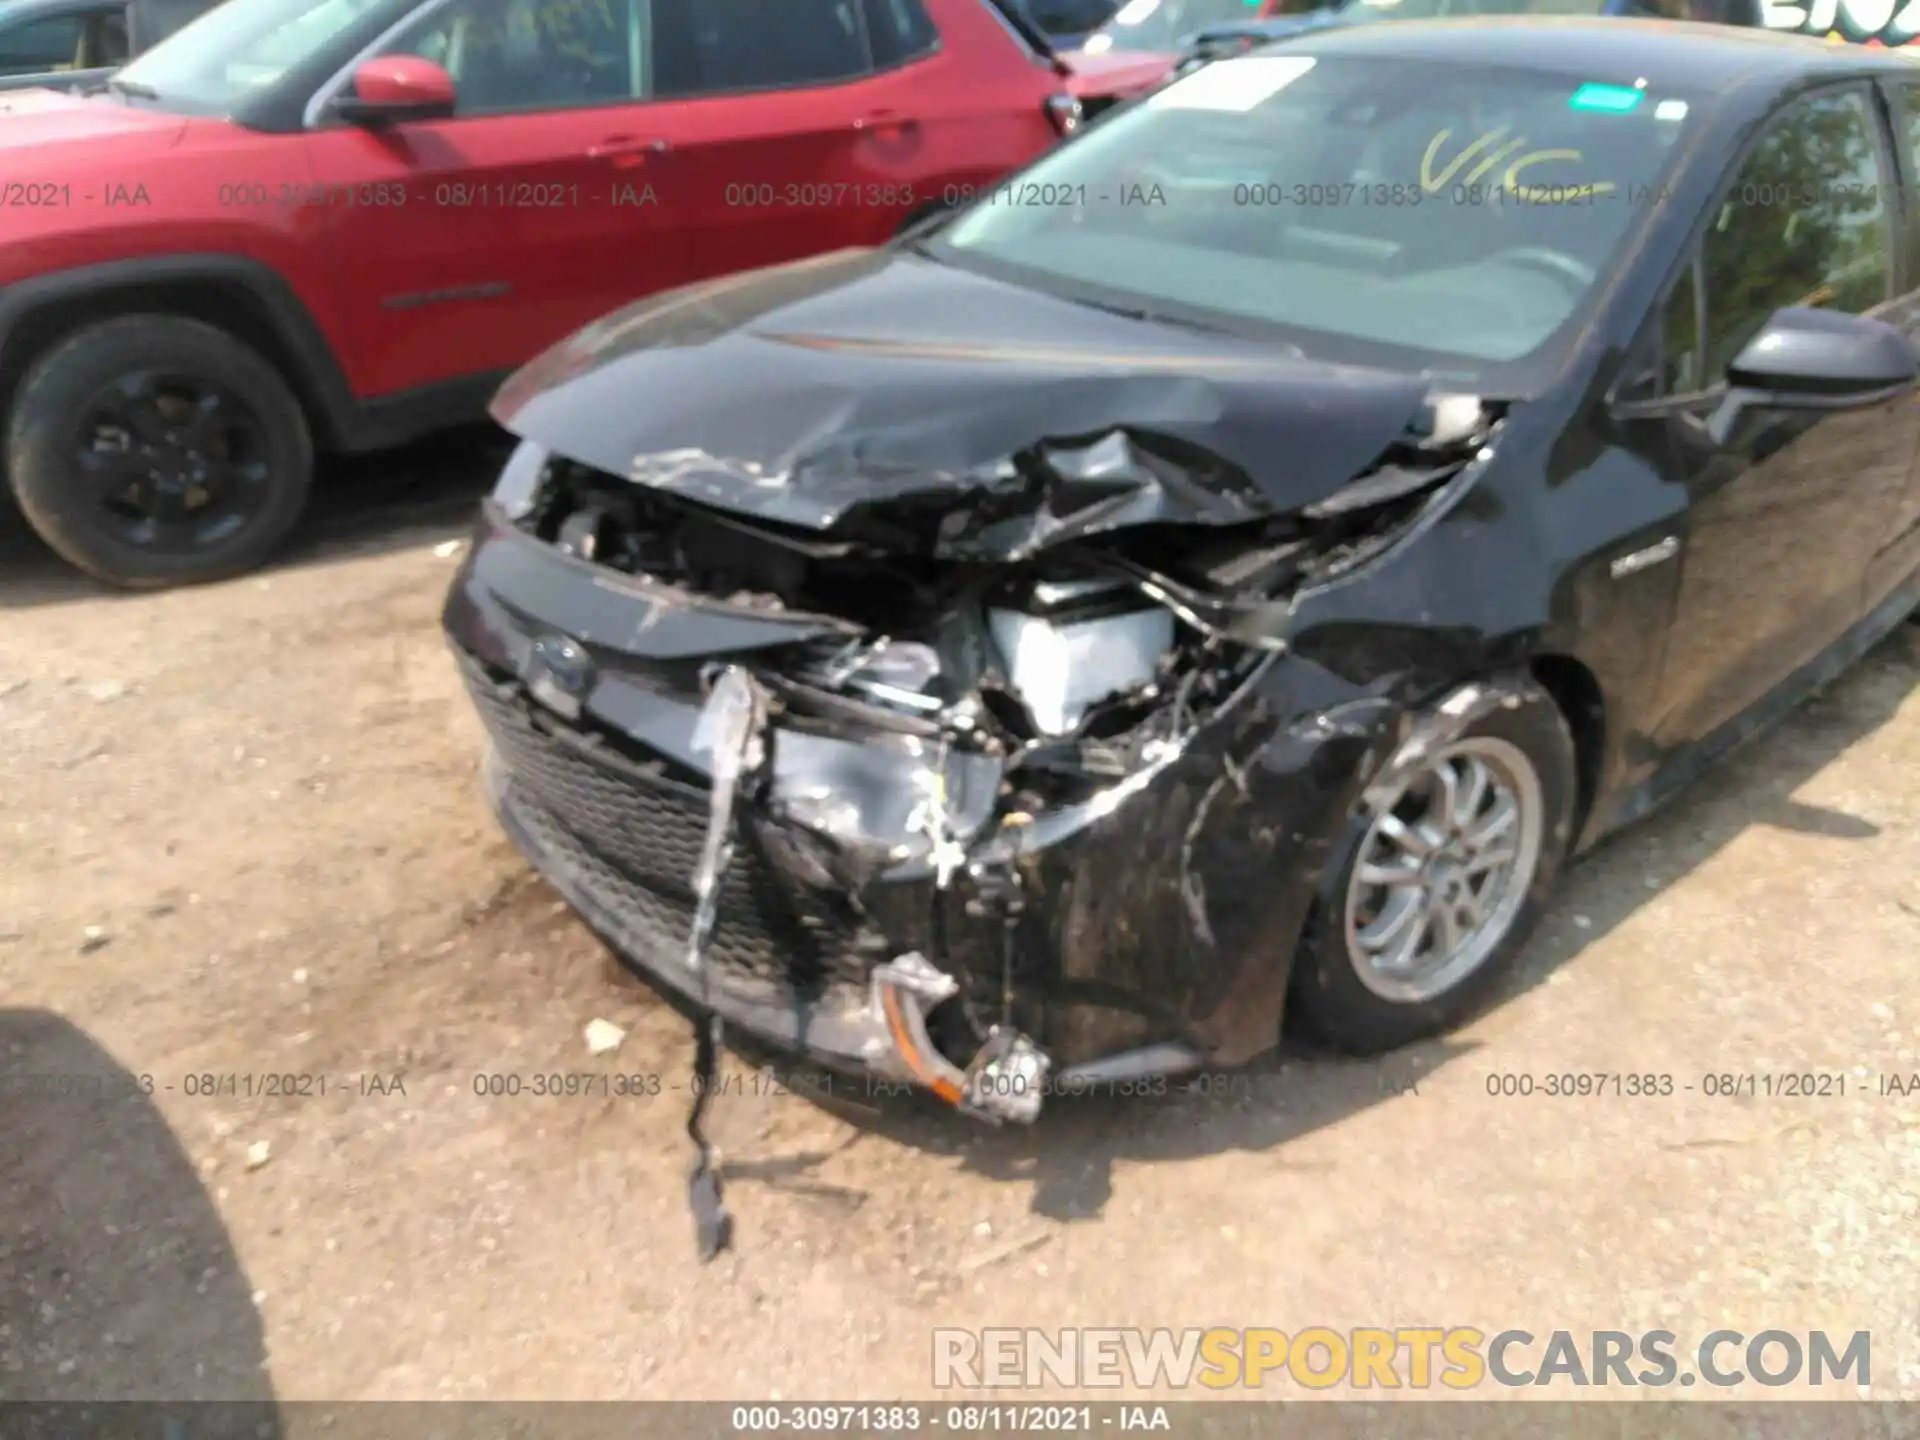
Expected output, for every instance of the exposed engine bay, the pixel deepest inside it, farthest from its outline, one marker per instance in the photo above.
(905, 696)
(1066, 659)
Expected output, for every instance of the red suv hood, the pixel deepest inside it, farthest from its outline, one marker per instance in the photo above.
(38, 118)
(1120, 73)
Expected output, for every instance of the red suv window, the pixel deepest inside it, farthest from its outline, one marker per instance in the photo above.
(707, 47)
(897, 31)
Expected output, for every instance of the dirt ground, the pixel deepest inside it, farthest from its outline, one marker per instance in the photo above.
(241, 835)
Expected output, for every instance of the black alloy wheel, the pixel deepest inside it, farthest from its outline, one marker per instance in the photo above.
(154, 450)
(175, 464)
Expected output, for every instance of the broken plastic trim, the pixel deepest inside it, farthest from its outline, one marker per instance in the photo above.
(1244, 623)
(1006, 1079)
(732, 726)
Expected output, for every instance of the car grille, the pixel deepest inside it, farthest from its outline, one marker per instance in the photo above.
(635, 839)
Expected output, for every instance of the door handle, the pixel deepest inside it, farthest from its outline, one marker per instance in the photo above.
(627, 150)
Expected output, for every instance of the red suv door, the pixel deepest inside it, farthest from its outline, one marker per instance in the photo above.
(811, 125)
(467, 245)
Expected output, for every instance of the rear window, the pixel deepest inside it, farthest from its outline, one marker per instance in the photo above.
(1375, 208)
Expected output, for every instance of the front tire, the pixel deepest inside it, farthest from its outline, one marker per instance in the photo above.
(1443, 870)
(153, 450)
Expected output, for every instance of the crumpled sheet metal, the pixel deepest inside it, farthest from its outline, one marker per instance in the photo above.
(732, 728)
(1442, 725)
(836, 467)
(987, 453)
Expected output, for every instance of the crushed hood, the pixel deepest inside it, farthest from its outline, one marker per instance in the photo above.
(880, 387)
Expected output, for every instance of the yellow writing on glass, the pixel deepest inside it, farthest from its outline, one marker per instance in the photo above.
(1492, 150)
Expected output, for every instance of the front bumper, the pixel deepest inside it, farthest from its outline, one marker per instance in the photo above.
(644, 916)
(1158, 920)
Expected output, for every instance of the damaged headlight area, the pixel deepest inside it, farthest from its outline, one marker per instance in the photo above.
(811, 773)
(1030, 651)
(1061, 652)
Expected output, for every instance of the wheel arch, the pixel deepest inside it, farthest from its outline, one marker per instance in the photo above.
(1549, 683)
(1576, 690)
(243, 297)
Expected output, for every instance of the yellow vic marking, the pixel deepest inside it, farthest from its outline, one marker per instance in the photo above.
(1510, 182)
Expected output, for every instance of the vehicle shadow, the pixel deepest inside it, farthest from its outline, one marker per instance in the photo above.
(1069, 1155)
(362, 505)
(118, 1281)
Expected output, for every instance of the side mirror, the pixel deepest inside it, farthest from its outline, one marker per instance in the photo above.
(1810, 359)
(389, 89)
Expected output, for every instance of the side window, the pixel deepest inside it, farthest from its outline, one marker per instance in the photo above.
(1069, 17)
(511, 55)
(709, 47)
(1910, 116)
(1680, 345)
(898, 31)
(104, 40)
(160, 18)
(1803, 224)
(41, 45)
(1909, 126)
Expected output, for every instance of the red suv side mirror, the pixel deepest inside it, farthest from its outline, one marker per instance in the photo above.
(391, 88)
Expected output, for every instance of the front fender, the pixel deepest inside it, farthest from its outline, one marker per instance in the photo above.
(35, 308)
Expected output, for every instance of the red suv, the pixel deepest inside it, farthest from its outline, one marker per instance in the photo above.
(333, 225)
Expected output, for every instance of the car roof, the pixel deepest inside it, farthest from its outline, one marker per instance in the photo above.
(1673, 52)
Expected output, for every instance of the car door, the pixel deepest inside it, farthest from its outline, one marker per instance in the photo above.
(62, 47)
(765, 105)
(468, 244)
(1781, 529)
(1898, 556)
(806, 126)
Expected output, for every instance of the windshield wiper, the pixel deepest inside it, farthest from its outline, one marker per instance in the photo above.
(1156, 317)
(131, 88)
(1125, 312)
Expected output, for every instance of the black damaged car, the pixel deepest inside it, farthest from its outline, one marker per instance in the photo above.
(1226, 573)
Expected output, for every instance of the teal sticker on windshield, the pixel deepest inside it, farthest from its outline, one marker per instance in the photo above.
(1609, 99)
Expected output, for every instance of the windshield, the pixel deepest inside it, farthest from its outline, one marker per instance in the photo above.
(236, 47)
(1374, 209)
(1165, 24)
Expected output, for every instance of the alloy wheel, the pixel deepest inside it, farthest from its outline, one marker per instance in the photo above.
(1444, 869)
(171, 464)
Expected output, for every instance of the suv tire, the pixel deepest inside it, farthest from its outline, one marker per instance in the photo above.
(153, 450)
